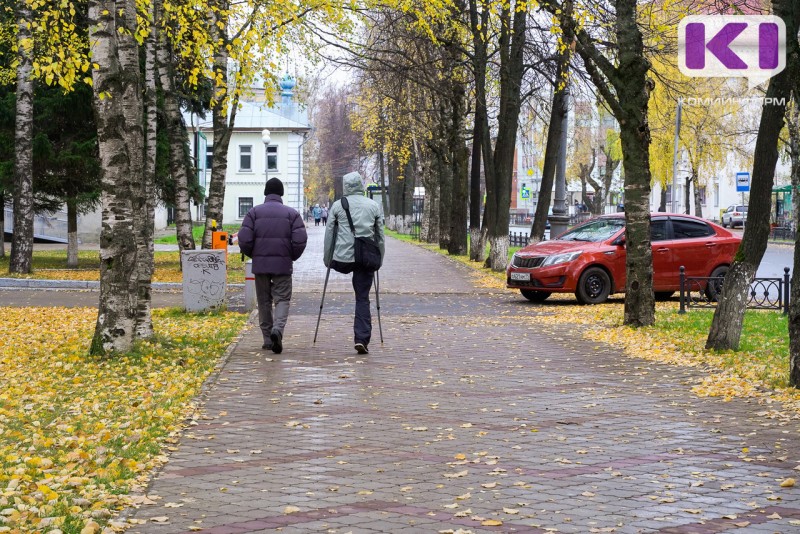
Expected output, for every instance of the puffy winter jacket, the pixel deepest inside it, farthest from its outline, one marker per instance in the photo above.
(367, 220)
(273, 235)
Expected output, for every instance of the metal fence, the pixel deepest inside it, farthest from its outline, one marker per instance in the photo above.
(518, 239)
(764, 294)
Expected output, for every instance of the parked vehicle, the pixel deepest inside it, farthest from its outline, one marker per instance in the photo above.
(589, 259)
(734, 216)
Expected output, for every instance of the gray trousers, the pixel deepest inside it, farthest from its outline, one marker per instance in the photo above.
(273, 290)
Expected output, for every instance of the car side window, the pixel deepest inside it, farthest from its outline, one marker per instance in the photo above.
(658, 230)
(689, 229)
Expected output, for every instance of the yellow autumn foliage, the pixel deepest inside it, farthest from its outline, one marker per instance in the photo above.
(78, 432)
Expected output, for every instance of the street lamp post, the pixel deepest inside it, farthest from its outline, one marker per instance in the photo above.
(266, 138)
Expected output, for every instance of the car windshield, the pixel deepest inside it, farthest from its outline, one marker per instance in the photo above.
(741, 208)
(595, 230)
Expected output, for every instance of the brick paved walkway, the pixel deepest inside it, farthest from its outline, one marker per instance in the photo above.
(466, 416)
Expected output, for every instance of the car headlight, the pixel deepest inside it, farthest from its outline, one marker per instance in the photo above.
(561, 258)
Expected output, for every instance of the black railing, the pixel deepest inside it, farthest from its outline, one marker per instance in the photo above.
(518, 239)
(764, 294)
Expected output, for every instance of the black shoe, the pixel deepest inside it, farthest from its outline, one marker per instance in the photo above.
(277, 338)
(266, 346)
(361, 348)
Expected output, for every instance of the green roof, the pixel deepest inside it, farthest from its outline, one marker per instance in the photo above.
(782, 189)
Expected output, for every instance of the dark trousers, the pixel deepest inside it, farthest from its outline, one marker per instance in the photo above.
(274, 294)
(362, 325)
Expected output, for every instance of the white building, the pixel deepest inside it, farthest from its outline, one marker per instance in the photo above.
(251, 162)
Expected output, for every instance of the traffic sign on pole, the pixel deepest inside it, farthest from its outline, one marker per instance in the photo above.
(742, 182)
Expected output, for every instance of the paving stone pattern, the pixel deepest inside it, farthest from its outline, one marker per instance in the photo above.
(465, 414)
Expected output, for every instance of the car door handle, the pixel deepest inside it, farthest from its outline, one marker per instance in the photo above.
(662, 249)
(711, 244)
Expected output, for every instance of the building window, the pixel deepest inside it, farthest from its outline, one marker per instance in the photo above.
(703, 195)
(272, 158)
(245, 205)
(716, 195)
(245, 158)
(209, 156)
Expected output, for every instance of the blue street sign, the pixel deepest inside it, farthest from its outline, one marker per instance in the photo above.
(525, 193)
(742, 182)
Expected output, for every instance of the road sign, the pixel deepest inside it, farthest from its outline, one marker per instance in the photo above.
(742, 182)
(525, 193)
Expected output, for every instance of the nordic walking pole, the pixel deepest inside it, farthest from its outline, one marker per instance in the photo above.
(378, 303)
(324, 289)
(327, 274)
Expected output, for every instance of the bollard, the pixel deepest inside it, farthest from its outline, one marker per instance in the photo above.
(786, 292)
(683, 286)
(249, 286)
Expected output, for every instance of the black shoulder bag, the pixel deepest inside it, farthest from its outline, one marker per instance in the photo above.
(367, 252)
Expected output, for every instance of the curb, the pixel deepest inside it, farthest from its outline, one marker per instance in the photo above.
(36, 283)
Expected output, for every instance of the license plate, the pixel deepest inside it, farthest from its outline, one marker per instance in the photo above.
(522, 277)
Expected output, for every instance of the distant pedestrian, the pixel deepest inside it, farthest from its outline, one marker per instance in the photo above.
(367, 223)
(317, 214)
(324, 215)
(274, 235)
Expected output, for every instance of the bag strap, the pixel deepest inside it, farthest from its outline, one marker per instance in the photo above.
(346, 206)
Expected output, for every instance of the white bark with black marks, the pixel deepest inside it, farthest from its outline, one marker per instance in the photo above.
(119, 110)
(21, 260)
(178, 143)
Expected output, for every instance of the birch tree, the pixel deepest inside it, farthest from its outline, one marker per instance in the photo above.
(22, 242)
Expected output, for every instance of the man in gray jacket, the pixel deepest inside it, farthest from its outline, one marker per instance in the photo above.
(274, 235)
(368, 222)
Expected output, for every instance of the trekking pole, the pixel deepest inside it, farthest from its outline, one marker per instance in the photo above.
(327, 274)
(324, 289)
(378, 303)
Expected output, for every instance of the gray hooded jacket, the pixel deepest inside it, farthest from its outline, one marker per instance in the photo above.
(367, 220)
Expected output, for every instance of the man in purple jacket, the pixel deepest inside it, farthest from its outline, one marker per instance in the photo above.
(273, 235)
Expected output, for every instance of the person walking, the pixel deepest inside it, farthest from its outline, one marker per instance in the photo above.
(340, 249)
(317, 214)
(274, 235)
(324, 215)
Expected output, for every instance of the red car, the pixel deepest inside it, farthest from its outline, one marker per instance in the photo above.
(589, 259)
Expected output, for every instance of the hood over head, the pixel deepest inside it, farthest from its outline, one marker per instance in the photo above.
(352, 184)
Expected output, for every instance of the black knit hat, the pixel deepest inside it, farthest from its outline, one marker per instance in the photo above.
(273, 187)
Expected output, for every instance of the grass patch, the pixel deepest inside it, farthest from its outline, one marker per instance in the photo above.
(197, 232)
(51, 265)
(80, 432)
(763, 351)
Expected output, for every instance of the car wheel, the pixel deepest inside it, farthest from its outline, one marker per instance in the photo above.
(534, 296)
(714, 287)
(594, 286)
(664, 295)
(724, 224)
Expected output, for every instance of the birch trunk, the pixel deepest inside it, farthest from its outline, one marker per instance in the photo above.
(146, 210)
(178, 145)
(118, 101)
(222, 123)
(726, 327)
(22, 240)
(72, 233)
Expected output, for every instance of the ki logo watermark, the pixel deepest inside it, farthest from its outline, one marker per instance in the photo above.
(751, 46)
